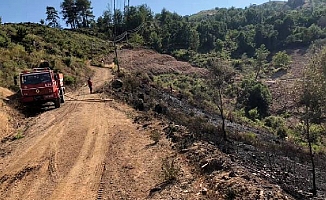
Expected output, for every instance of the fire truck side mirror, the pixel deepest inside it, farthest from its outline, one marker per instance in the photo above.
(56, 77)
(15, 80)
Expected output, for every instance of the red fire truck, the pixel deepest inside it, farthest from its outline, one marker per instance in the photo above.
(41, 85)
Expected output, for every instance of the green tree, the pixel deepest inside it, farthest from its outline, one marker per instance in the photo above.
(0, 20)
(84, 13)
(254, 95)
(105, 23)
(155, 41)
(69, 13)
(261, 55)
(281, 60)
(52, 17)
(222, 76)
(313, 100)
(193, 40)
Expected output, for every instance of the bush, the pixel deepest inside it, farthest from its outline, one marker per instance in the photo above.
(137, 39)
(253, 114)
(274, 122)
(170, 170)
(155, 136)
(248, 138)
(183, 54)
(255, 95)
(68, 61)
(69, 80)
(282, 132)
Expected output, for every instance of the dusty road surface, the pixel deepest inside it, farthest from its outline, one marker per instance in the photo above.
(84, 150)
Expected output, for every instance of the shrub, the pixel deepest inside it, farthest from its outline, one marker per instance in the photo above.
(182, 54)
(255, 95)
(274, 122)
(170, 170)
(69, 80)
(282, 132)
(155, 136)
(68, 61)
(137, 39)
(315, 133)
(19, 135)
(253, 114)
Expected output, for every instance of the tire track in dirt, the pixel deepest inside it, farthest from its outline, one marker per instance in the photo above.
(37, 152)
(84, 150)
(89, 156)
(55, 149)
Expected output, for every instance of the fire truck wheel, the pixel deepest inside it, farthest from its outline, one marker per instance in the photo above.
(57, 103)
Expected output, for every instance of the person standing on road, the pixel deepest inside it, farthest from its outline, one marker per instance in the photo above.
(90, 85)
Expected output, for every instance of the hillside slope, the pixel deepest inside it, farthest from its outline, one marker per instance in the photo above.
(103, 150)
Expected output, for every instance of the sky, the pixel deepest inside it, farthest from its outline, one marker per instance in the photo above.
(15, 11)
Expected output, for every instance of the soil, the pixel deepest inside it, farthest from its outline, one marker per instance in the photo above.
(95, 147)
(146, 60)
(87, 149)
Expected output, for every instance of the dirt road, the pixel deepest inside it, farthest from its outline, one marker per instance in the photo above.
(83, 150)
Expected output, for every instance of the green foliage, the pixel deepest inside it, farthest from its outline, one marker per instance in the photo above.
(281, 60)
(261, 55)
(137, 39)
(253, 114)
(19, 135)
(155, 136)
(4, 40)
(77, 13)
(196, 88)
(24, 46)
(281, 132)
(170, 170)
(248, 138)
(52, 17)
(69, 80)
(254, 95)
(155, 41)
(183, 54)
(274, 122)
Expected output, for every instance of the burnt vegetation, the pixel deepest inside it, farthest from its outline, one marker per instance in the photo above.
(256, 98)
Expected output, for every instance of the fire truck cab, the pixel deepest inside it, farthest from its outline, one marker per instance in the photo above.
(41, 85)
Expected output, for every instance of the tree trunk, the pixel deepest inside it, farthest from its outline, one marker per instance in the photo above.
(314, 187)
(311, 154)
(258, 71)
(221, 108)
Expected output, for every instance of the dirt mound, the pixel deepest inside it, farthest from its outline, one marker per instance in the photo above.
(6, 113)
(4, 92)
(151, 61)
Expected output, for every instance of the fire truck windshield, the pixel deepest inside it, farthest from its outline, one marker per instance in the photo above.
(37, 78)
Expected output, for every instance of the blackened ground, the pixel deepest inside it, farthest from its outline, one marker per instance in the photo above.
(267, 157)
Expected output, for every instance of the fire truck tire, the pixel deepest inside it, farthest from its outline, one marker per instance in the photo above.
(57, 103)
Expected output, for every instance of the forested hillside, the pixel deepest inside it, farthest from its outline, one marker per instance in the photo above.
(230, 33)
(24, 46)
(234, 31)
